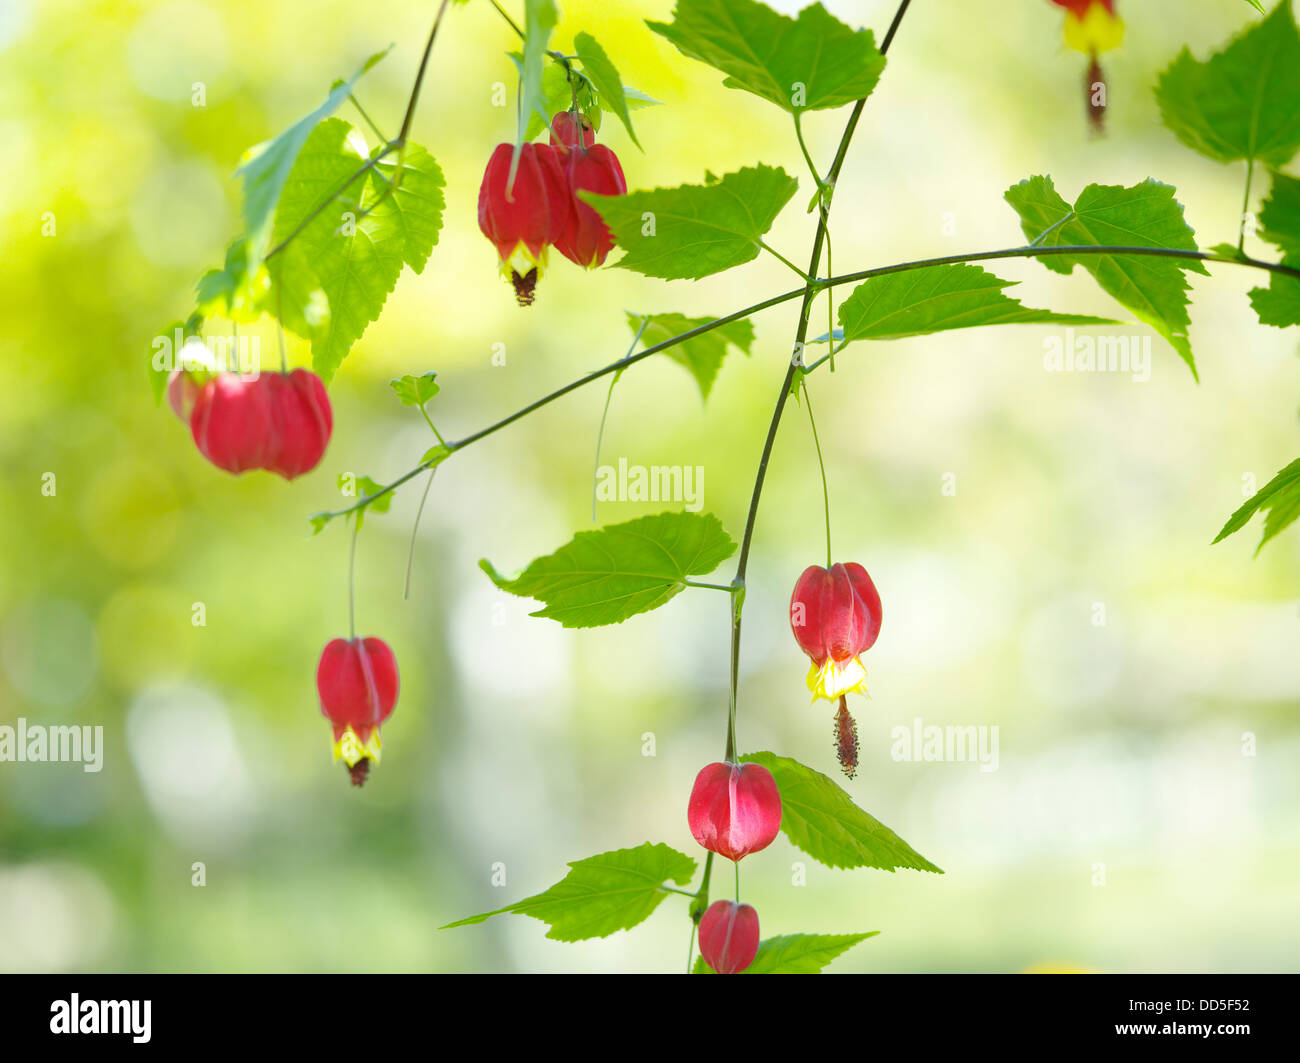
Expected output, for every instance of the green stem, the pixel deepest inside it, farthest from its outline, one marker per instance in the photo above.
(815, 286)
(1245, 206)
(707, 586)
(429, 422)
(826, 493)
(736, 865)
(798, 132)
(410, 553)
(352, 579)
(781, 258)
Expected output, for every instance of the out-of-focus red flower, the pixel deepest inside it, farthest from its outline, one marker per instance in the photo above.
(358, 683)
(586, 239)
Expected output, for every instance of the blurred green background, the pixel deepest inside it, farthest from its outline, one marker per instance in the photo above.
(519, 744)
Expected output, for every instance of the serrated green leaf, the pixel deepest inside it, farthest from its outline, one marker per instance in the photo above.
(1240, 103)
(602, 894)
(695, 230)
(702, 355)
(822, 820)
(415, 390)
(1153, 289)
(358, 244)
(604, 76)
(938, 298)
(637, 100)
(1279, 304)
(1279, 218)
(609, 574)
(1279, 498)
(267, 166)
(795, 953)
(809, 63)
(295, 297)
(359, 488)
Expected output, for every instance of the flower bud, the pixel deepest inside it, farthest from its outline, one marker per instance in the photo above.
(524, 221)
(357, 682)
(835, 616)
(735, 809)
(564, 131)
(729, 936)
(586, 239)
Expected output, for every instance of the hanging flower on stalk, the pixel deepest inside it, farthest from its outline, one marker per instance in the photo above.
(1093, 27)
(835, 615)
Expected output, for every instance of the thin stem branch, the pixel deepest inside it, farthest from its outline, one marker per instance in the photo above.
(816, 285)
(410, 553)
(1245, 206)
(821, 464)
(781, 258)
(352, 579)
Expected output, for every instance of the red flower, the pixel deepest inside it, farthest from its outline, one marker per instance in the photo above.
(182, 391)
(302, 420)
(729, 936)
(524, 221)
(357, 681)
(586, 239)
(734, 809)
(276, 421)
(835, 616)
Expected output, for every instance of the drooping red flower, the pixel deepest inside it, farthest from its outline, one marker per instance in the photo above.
(735, 809)
(729, 936)
(564, 131)
(524, 220)
(280, 422)
(358, 683)
(302, 419)
(835, 616)
(586, 239)
(231, 423)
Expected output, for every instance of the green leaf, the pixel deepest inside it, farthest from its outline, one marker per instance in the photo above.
(1256, 5)
(637, 100)
(1280, 498)
(695, 230)
(436, 455)
(359, 242)
(1240, 103)
(822, 820)
(360, 487)
(702, 354)
(267, 166)
(795, 953)
(604, 76)
(809, 63)
(540, 19)
(602, 894)
(415, 390)
(295, 296)
(1153, 289)
(612, 573)
(1279, 218)
(411, 215)
(1279, 304)
(937, 298)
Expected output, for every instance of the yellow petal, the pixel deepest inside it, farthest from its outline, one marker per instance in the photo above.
(832, 680)
(1097, 31)
(349, 748)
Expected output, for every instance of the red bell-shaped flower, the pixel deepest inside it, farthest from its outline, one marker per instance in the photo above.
(835, 616)
(357, 681)
(524, 221)
(586, 239)
(275, 421)
(735, 809)
(232, 423)
(729, 936)
(302, 420)
(564, 131)
(182, 392)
